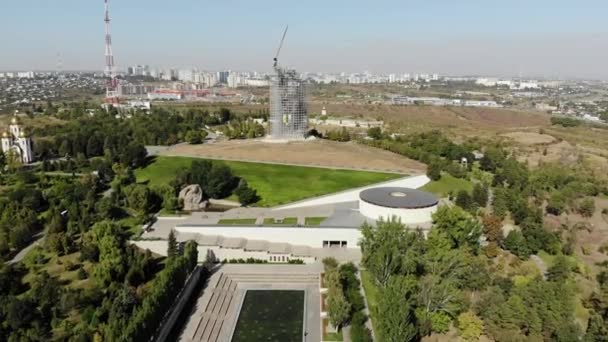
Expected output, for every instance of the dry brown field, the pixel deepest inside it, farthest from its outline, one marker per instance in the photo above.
(321, 153)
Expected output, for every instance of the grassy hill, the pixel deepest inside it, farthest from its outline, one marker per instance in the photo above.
(276, 184)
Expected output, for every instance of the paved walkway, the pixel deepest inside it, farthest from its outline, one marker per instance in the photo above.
(38, 239)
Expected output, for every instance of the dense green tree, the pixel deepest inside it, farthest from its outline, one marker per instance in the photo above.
(396, 321)
(493, 158)
(338, 308)
(597, 331)
(462, 228)
(464, 200)
(374, 133)
(470, 326)
(556, 204)
(560, 270)
(433, 170)
(480, 195)
(139, 198)
(171, 245)
(389, 249)
(516, 243)
(246, 194)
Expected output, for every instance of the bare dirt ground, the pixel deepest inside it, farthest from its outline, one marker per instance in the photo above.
(320, 153)
(593, 235)
(438, 117)
(529, 138)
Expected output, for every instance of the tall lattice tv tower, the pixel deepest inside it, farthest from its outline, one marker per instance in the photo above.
(111, 81)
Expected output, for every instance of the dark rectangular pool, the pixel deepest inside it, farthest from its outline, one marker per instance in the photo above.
(271, 315)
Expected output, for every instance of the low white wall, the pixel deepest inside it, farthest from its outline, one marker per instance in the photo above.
(160, 248)
(353, 195)
(222, 254)
(312, 237)
(407, 216)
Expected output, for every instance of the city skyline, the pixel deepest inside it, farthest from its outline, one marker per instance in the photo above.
(553, 39)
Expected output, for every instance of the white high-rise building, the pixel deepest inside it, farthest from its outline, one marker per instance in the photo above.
(233, 80)
(18, 142)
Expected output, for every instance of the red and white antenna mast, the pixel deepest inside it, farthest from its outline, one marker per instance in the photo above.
(111, 81)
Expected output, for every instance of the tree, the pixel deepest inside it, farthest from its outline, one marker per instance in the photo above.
(169, 197)
(220, 182)
(492, 228)
(560, 270)
(480, 195)
(470, 326)
(246, 194)
(171, 245)
(500, 203)
(492, 159)
(464, 200)
(94, 146)
(433, 171)
(396, 321)
(517, 244)
(556, 204)
(139, 197)
(194, 137)
(375, 133)
(462, 228)
(133, 155)
(597, 331)
(587, 207)
(338, 308)
(389, 249)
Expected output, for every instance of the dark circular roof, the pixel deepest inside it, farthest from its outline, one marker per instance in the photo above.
(402, 198)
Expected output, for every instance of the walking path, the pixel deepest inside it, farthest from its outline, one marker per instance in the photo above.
(38, 239)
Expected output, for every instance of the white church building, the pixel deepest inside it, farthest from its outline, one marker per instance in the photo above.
(18, 142)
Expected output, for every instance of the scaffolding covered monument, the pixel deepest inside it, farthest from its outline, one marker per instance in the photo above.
(288, 114)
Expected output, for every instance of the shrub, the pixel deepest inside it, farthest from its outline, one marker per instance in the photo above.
(470, 326)
(587, 207)
(82, 274)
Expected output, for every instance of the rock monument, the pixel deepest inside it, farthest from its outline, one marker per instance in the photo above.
(193, 198)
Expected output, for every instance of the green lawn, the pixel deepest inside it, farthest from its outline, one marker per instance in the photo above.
(314, 221)
(446, 184)
(333, 336)
(287, 221)
(276, 184)
(237, 221)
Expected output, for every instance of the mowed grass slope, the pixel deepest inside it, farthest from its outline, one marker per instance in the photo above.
(276, 184)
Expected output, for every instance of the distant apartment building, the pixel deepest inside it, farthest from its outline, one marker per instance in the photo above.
(135, 89)
(222, 76)
(436, 101)
(26, 74)
(233, 80)
(257, 82)
(165, 94)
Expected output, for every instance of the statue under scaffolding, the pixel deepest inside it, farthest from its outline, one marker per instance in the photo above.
(288, 115)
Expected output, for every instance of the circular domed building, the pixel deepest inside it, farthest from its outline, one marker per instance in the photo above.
(411, 206)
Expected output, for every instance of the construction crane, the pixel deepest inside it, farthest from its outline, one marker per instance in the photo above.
(276, 57)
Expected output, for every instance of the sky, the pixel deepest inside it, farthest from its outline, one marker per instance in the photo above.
(548, 38)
